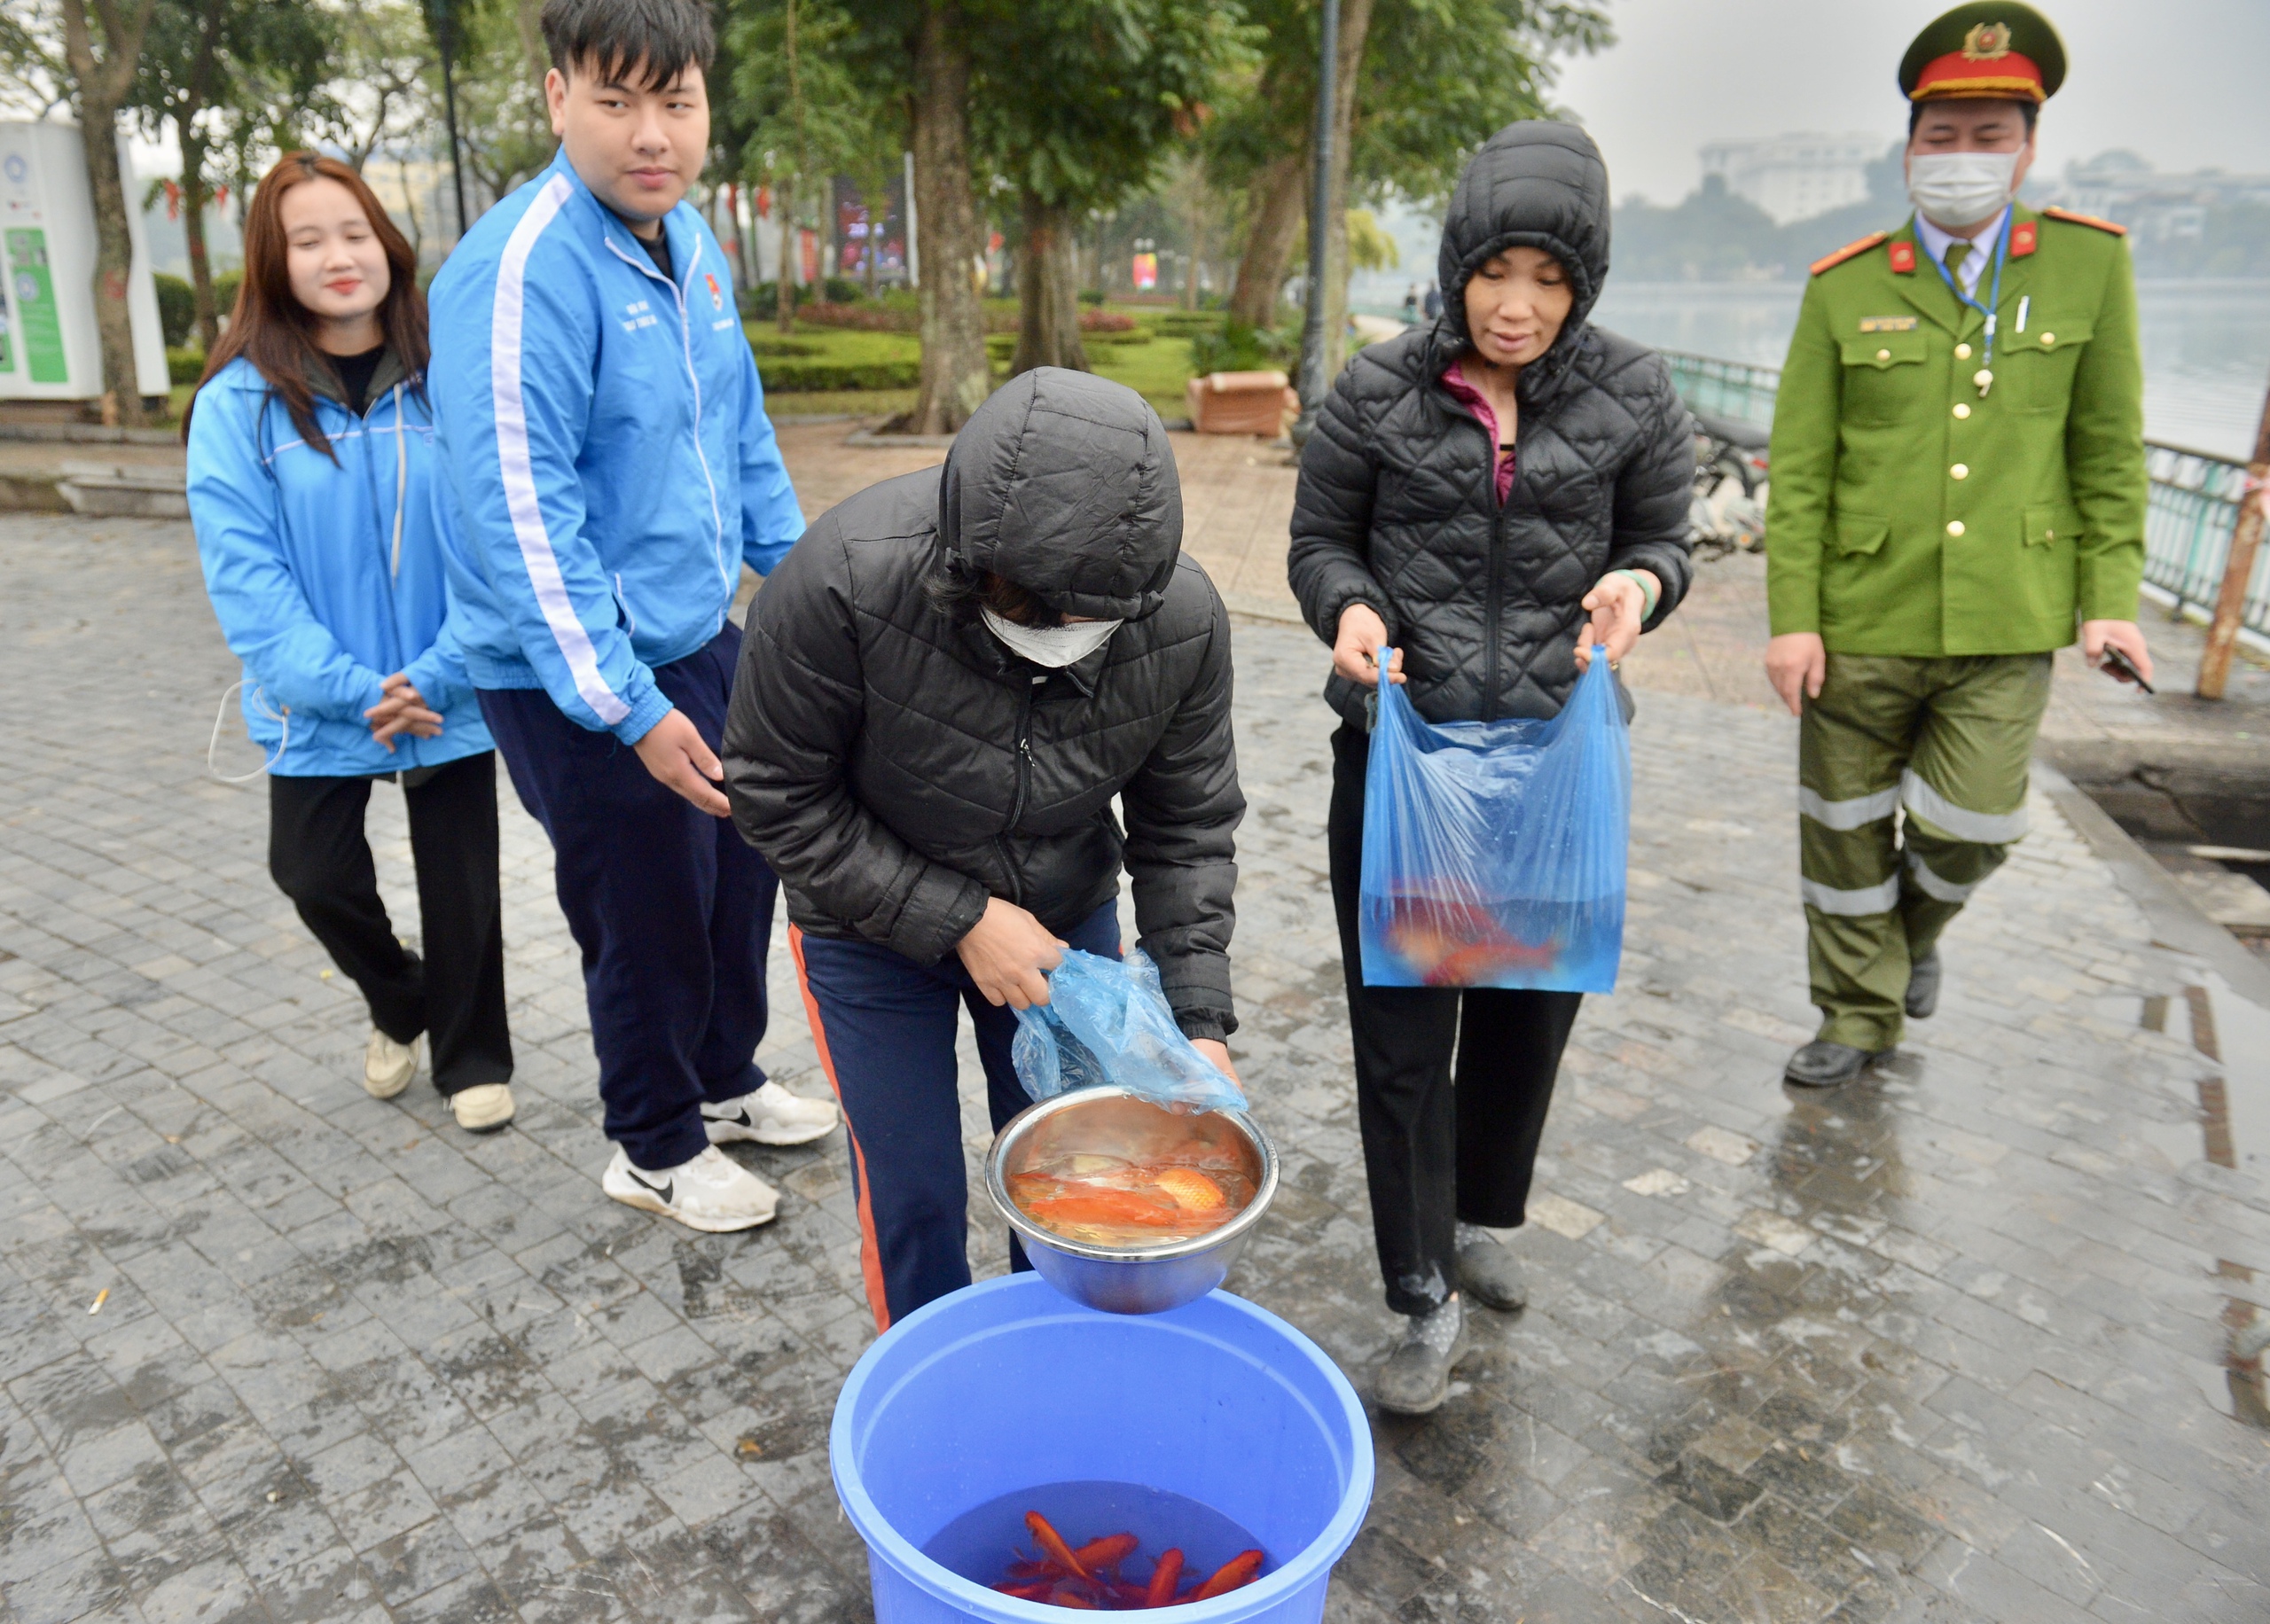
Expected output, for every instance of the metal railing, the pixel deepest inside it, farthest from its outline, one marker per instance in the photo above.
(2191, 513)
(1729, 388)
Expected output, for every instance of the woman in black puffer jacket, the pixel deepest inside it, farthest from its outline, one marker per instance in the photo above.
(943, 687)
(1489, 499)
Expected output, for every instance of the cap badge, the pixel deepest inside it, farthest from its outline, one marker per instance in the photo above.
(1987, 42)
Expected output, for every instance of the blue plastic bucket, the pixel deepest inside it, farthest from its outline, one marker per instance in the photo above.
(1007, 1386)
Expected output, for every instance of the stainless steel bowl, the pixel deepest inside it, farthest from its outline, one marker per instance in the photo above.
(1116, 1122)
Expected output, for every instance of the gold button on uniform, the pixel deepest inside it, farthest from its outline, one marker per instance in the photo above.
(1962, 352)
(1954, 527)
(1962, 409)
(1961, 471)
(1881, 354)
(2047, 339)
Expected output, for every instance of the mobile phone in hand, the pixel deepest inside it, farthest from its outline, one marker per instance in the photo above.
(2118, 664)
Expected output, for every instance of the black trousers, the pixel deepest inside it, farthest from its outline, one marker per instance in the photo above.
(1436, 1152)
(320, 858)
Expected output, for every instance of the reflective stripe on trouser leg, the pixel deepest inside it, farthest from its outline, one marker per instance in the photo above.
(1853, 746)
(1964, 789)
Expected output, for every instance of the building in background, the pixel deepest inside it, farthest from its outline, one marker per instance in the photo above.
(2221, 219)
(1796, 176)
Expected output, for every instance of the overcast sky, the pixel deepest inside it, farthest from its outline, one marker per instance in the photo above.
(2184, 82)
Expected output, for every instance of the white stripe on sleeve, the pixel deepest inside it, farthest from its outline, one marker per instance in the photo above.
(512, 456)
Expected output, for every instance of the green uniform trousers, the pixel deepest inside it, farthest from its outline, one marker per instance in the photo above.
(1946, 741)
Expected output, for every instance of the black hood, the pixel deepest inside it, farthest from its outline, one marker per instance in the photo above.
(1063, 483)
(1534, 185)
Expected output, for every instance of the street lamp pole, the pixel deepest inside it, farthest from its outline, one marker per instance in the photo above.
(1314, 382)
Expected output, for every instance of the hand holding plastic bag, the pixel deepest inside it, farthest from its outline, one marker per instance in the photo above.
(1494, 852)
(1107, 1021)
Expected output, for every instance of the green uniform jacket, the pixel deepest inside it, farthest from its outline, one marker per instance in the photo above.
(1909, 515)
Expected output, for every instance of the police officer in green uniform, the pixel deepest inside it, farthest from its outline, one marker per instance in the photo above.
(1959, 485)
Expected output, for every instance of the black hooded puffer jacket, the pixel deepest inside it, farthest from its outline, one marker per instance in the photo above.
(1398, 507)
(898, 766)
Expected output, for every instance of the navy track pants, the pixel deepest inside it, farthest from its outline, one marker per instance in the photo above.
(672, 909)
(884, 1026)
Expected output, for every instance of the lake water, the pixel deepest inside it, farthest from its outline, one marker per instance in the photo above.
(2206, 344)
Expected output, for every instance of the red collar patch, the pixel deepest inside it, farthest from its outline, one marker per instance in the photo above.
(1903, 257)
(2023, 240)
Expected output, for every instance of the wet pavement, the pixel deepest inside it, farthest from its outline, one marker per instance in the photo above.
(1966, 1341)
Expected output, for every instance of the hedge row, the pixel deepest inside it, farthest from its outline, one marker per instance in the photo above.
(802, 377)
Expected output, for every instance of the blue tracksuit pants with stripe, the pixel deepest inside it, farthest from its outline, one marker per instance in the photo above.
(885, 1029)
(672, 909)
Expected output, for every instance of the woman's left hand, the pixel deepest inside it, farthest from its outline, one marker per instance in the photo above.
(1218, 1052)
(1617, 605)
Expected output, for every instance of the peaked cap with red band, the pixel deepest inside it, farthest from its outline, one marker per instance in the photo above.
(1987, 50)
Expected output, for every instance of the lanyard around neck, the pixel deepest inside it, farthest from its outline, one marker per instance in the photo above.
(1994, 294)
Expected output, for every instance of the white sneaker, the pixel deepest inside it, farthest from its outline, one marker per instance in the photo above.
(388, 1066)
(771, 1115)
(712, 1192)
(484, 1108)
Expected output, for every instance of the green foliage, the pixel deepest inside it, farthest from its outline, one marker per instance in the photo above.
(176, 309)
(1091, 94)
(184, 366)
(1232, 345)
(1438, 78)
(224, 289)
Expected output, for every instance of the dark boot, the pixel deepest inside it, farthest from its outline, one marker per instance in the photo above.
(1923, 985)
(1823, 1065)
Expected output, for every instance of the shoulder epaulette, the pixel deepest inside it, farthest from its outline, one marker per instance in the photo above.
(2069, 216)
(1831, 261)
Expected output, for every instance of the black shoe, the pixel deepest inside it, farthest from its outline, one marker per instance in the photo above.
(1923, 986)
(1490, 1274)
(1824, 1064)
(1416, 1378)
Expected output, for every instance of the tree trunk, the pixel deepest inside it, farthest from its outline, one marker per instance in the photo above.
(955, 377)
(100, 87)
(1048, 299)
(193, 227)
(1355, 23)
(1275, 208)
(786, 217)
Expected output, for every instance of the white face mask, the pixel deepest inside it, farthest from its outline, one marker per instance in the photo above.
(1054, 646)
(1955, 189)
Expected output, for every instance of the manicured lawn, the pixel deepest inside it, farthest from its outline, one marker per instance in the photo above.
(1155, 365)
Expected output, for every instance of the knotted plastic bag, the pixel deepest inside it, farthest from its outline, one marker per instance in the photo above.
(1494, 851)
(1107, 1021)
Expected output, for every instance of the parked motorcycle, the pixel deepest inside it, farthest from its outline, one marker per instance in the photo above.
(1728, 513)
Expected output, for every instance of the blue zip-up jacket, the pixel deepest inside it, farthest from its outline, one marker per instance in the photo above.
(301, 566)
(608, 463)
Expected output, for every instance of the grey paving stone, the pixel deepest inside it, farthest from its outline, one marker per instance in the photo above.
(357, 1367)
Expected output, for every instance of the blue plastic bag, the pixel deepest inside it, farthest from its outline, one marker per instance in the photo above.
(1106, 1020)
(1494, 851)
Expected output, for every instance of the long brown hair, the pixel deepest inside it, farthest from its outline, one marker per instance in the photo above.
(275, 331)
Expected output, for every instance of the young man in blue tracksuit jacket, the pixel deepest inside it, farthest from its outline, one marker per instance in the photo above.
(607, 469)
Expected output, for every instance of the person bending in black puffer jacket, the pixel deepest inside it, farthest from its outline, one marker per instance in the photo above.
(943, 687)
(1489, 497)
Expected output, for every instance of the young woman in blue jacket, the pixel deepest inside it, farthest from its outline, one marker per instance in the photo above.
(311, 452)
